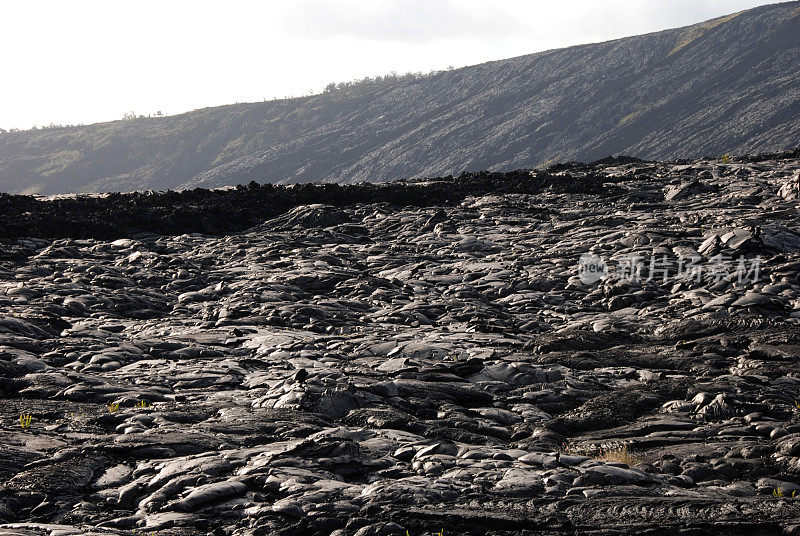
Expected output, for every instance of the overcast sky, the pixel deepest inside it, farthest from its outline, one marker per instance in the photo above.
(83, 61)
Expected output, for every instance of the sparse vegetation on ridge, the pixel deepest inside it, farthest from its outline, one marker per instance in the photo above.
(696, 32)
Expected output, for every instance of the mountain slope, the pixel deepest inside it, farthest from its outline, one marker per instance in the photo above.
(727, 85)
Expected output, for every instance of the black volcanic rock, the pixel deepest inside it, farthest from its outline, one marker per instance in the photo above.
(728, 85)
(417, 357)
(217, 211)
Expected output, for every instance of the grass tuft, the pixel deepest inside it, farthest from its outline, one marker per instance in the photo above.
(25, 421)
(698, 31)
(617, 454)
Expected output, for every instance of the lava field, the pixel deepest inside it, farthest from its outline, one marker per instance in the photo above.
(595, 349)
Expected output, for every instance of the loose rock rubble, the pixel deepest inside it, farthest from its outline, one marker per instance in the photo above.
(375, 369)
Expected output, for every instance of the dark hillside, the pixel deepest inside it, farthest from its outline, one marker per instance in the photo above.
(726, 85)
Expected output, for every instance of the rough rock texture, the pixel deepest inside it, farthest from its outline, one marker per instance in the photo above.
(728, 85)
(377, 368)
(215, 211)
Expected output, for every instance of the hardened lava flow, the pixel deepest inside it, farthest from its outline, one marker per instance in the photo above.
(591, 349)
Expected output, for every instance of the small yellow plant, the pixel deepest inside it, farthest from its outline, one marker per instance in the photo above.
(778, 492)
(797, 404)
(113, 408)
(726, 158)
(25, 421)
(619, 454)
(142, 404)
(78, 418)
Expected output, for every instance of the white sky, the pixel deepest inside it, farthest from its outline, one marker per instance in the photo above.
(83, 61)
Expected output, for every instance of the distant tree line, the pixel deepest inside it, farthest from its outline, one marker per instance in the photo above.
(54, 126)
(390, 79)
(363, 84)
(51, 126)
(127, 116)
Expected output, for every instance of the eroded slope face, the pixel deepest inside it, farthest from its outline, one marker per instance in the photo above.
(377, 369)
